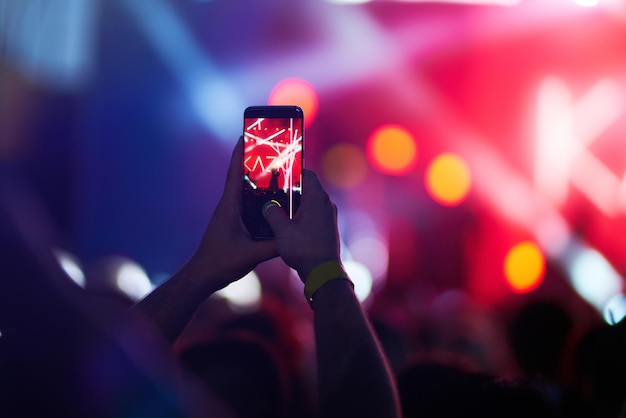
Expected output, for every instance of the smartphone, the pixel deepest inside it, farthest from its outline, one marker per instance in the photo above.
(272, 164)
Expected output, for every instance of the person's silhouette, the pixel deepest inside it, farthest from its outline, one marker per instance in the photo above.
(274, 180)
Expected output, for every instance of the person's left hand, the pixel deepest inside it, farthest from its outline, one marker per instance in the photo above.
(227, 252)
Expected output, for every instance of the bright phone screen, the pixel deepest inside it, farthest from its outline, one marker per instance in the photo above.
(272, 167)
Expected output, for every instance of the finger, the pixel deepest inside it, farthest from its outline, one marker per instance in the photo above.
(310, 177)
(315, 197)
(234, 177)
(275, 216)
(311, 185)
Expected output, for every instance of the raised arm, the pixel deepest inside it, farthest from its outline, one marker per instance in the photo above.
(353, 376)
(225, 254)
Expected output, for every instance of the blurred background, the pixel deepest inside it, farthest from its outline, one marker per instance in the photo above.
(475, 149)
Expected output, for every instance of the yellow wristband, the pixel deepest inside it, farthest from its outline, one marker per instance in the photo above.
(322, 274)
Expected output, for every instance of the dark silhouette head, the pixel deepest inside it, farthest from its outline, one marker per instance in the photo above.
(243, 373)
(538, 336)
(441, 391)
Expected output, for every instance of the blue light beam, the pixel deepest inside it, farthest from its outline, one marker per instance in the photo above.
(216, 102)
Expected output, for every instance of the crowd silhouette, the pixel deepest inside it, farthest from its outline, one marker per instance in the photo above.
(180, 352)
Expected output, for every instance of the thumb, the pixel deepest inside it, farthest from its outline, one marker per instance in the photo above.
(275, 216)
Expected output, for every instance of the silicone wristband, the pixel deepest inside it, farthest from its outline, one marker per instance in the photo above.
(322, 274)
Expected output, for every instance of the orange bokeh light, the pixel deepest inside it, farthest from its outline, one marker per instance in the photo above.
(524, 267)
(295, 91)
(448, 179)
(392, 150)
(344, 165)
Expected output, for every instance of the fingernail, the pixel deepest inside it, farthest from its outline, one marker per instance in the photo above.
(269, 204)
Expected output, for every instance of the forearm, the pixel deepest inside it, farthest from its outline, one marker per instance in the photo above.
(172, 305)
(353, 376)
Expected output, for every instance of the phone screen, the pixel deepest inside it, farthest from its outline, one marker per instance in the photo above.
(272, 163)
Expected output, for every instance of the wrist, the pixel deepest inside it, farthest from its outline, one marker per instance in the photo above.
(305, 270)
(333, 293)
(321, 275)
(199, 278)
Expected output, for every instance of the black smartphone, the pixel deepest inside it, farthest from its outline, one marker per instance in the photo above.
(272, 163)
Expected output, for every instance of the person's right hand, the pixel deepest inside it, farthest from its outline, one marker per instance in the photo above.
(311, 237)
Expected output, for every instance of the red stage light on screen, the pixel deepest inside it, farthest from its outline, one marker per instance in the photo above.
(448, 179)
(392, 150)
(524, 267)
(295, 91)
(344, 166)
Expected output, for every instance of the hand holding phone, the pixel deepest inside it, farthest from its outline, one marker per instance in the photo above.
(272, 164)
(314, 238)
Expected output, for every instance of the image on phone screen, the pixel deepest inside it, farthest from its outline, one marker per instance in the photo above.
(272, 164)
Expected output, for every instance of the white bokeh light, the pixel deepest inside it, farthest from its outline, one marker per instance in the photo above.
(71, 266)
(615, 309)
(371, 251)
(361, 277)
(245, 293)
(132, 279)
(594, 278)
(587, 3)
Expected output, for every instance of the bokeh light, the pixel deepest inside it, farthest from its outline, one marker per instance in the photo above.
(133, 280)
(391, 149)
(361, 277)
(524, 267)
(244, 294)
(295, 91)
(70, 265)
(593, 277)
(373, 252)
(615, 309)
(344, 166)
(448, 179)
(587, 3)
